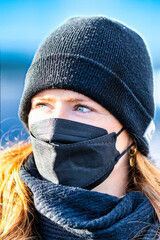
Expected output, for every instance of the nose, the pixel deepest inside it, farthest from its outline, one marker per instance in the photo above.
(61, 111)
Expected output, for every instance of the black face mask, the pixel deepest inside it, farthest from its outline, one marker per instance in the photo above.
(72, 153)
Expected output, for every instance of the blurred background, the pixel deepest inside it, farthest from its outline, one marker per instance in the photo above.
(25, 24)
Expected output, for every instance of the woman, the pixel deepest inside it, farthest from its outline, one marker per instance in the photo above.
(88, 106)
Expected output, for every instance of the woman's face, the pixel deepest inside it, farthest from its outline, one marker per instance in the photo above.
(59, 103)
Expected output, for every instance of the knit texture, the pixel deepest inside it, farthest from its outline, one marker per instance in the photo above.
(73, 213)
(103, 60)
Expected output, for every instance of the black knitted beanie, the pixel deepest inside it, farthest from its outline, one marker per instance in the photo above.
(103, 60)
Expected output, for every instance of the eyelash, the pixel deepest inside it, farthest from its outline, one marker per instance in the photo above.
(75, 107)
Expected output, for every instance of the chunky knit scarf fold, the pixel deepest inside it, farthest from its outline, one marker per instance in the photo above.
(74, 213)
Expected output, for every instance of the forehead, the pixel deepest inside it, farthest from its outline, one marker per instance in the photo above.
(60, 94)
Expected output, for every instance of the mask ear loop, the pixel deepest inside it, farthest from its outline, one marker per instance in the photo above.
(128, 148)
(120, 132)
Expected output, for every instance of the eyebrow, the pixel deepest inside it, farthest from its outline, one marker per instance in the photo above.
(52, 99)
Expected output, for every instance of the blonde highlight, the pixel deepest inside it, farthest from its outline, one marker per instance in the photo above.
(145, 178)
(16, 218)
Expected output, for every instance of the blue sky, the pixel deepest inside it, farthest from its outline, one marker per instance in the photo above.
(24, 24)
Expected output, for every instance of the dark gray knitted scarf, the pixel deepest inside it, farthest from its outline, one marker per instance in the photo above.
(73, 213)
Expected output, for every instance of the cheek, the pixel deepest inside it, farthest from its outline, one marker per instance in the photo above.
(108, 122)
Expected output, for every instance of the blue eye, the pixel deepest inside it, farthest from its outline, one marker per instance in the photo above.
(83, 109)
(42, 106)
